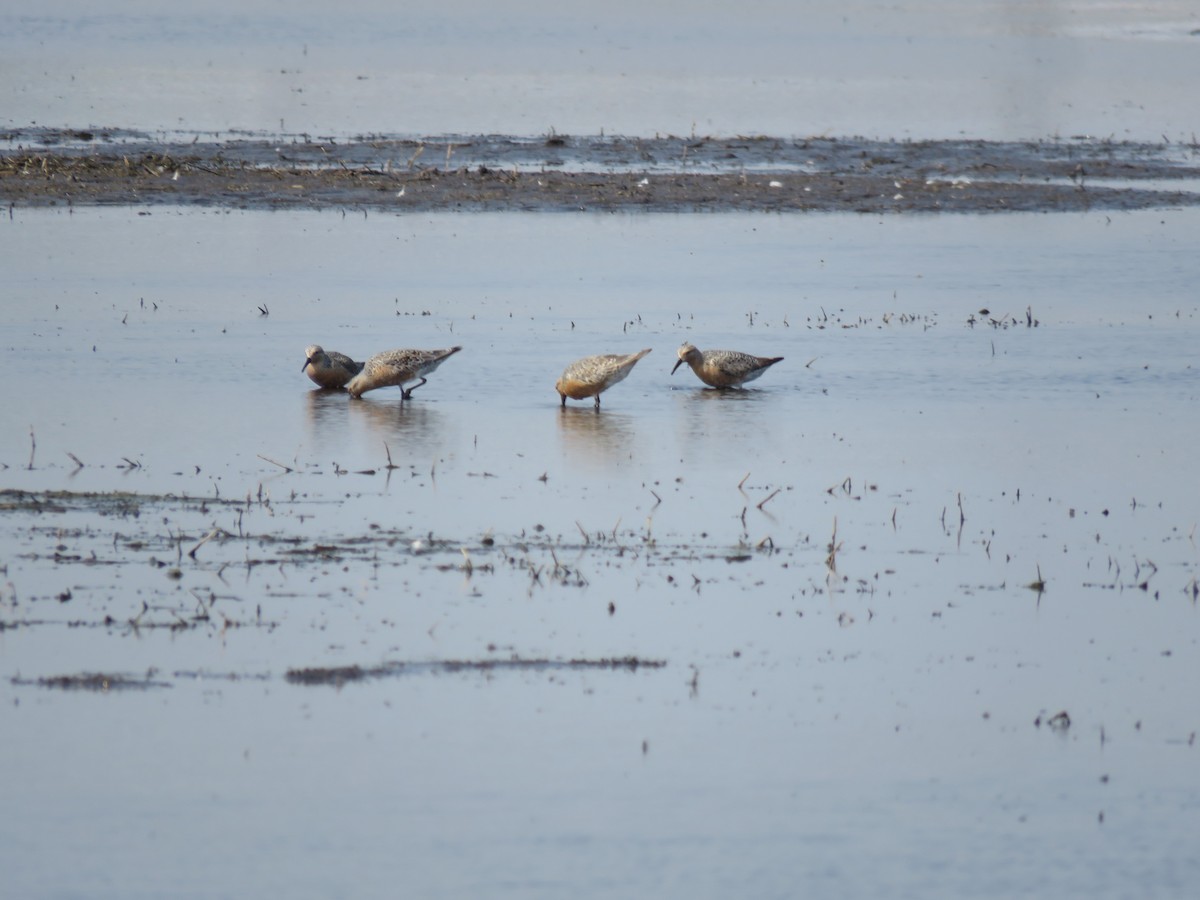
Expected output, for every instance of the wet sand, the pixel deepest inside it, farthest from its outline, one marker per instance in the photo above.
(558, 172)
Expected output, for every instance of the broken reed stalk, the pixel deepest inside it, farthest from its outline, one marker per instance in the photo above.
(1038, 586)
(204, 540)
(274, 463)
(769, 498)
(831, 558)
(388, 451)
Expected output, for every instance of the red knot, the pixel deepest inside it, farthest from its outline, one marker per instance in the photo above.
(724, 368)
(593, 375)
(329, 370)
(397, 367)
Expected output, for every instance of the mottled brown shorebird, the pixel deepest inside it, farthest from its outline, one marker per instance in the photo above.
(593, 375)
(724, 368)
(329, 369)
(397, 367)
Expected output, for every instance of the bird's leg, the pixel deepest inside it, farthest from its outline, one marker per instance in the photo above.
(597, 401)
(407, 395)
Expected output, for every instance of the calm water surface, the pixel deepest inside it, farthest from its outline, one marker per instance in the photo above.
(998, 70)
(871, 721)
(875, 727)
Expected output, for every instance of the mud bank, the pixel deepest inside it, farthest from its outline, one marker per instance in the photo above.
(45, 168)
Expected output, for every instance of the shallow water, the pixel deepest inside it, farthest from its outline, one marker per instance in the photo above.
(890, 704)
(996, 70)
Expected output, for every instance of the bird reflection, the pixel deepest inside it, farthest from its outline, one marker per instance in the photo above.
(410, 426)
(716, 395)
(326, 410)
(711, 423)
(592, 435)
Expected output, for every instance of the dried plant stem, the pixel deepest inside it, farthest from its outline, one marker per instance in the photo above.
(274, 463)
(769, 498)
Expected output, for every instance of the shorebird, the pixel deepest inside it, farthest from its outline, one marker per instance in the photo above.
(329, 370)
(724, 368)
(593, 375)
(397, 367)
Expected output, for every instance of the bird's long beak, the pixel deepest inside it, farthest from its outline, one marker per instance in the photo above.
(678, 363)
(306, 363)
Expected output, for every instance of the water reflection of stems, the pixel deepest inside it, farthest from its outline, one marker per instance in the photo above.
(1038, 586)
(388, 451)
(962, 518)
(602, 536)
(834, 546)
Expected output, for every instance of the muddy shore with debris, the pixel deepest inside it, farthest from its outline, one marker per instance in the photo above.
(40, 168)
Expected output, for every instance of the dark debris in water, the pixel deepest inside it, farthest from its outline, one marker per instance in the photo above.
(105, 503)
(335, 676)
(99, 682)
(340, 675)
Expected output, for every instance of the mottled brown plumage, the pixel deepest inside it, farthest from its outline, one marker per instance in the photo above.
(397, 367)
(723, 368)
(592, 375)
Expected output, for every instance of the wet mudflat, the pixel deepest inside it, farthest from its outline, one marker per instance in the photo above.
(40, 167)
(925, 595)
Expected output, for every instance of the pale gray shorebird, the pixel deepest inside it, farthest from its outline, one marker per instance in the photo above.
(397, 367)
(723, 368)
(593, 375)
(329, 369)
